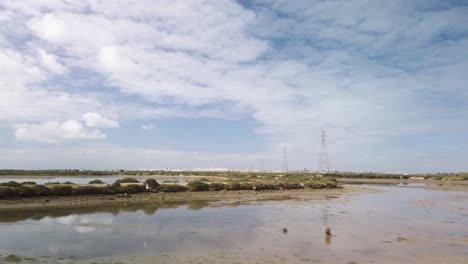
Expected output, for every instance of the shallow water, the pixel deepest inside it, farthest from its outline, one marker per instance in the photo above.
(81, 180)
(399, 225)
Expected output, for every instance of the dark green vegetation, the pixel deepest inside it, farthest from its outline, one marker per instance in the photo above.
(198, 186)
(13, 258)
(96, 182)
(64, 190)
(128, 185)
(172, 188)
(52, 183)
(11, 184)
(231, 181)
(127, 180)
(152, 184)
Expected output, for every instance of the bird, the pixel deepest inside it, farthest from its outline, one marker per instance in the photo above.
(327, 230)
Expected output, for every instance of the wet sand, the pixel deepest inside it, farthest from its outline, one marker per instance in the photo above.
(448, 187)
(436, 185)
(267, 259)
(44, 203)
(230, 259)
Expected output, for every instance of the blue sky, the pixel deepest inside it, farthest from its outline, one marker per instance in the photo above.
(103, 84)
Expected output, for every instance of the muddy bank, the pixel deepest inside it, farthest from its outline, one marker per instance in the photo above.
(439, 185)
(223, 258)
(149, 197)
(448, 187)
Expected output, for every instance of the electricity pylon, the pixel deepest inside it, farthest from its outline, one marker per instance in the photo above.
(324, 164)
(285, 160)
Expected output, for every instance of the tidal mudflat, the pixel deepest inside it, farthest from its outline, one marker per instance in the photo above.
(391, 224)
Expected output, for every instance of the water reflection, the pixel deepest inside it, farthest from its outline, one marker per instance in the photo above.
(197, 205)
(366, 227)
(91, 231)
(63, 213)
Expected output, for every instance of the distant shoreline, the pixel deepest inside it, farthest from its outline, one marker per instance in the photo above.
(111, 176)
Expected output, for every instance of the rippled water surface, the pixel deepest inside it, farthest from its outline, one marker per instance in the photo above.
(398, 225)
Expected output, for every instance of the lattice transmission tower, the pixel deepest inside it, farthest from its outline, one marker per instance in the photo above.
(284, 167)
(324, 163)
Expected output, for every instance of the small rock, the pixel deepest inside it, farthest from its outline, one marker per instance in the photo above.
(402, 239)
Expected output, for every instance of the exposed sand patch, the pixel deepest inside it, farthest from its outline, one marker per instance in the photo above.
(448, 185)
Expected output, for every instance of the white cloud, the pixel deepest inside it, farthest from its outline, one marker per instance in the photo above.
(50, 61)
(293, 66)
(97, 120)
(148, 126)
(56, 132)
(114, 156)
(24, 98)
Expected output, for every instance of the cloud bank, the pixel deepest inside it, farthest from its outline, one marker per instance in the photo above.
(56, 132)
(387, 80)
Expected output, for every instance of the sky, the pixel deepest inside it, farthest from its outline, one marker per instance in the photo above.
(105, 84)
